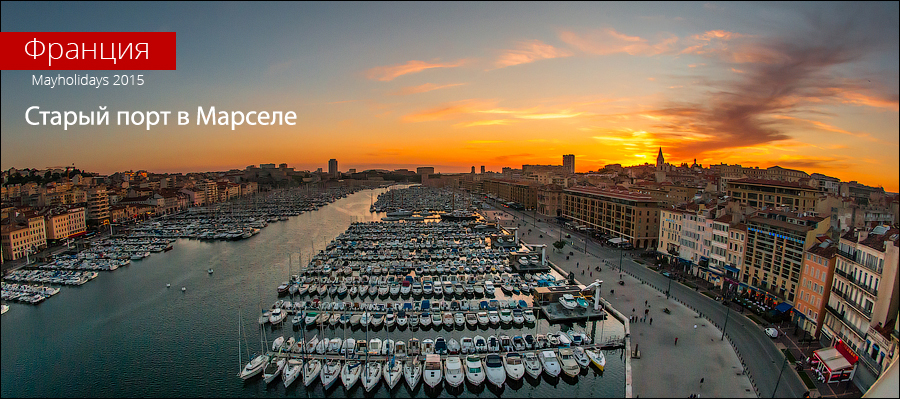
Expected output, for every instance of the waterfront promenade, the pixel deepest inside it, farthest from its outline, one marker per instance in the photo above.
(666, 369)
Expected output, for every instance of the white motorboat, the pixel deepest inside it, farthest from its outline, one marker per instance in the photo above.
(518, 317)
(568, 301)
(453, 371)
(493, 368)
(311, 344)
(563, 339)
(402, 319)
(383, 290)
(597, 358)
(512, 362)
(459, 319)
(291, 371)
(334, 346)
(405, 288)
(427, 346)
(479, 289)
(276, 345)
(322, 346)
(400, 349)
(550, 363)
(310, 318)
(350, 373)
(433, 373)
(541, 342)
(349, 346)
(377, 320)
(529, 317)
(493, 344)
(412, 371)
(414, 320)
(416, 289)
(580, 357)
(335, 319)
(331, 370)
(273, 369)
(254, 367)
(467, 345)
(355, 319)
(532, 364)
(494, 317)
(474, 370)
(480, 344)
(425, 319)
(394, 289)
(447, 319)
(488, 288)
(371, 375)
(568, 363)
(506, 316)
(471, 319)
(453, 346)
(483, 318)
(311, 371)
(553, 339)
(506, 343)
(277, 316)
(387, 347)
(374, 346)
(390, 319)
(412, 347)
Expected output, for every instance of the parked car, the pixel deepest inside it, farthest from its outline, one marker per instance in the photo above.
(772, 332)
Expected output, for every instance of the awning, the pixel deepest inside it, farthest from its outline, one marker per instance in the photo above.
(783, 307)
(617, 240)
(732, 269)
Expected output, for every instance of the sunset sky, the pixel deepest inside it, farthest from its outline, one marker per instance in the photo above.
(811, 86)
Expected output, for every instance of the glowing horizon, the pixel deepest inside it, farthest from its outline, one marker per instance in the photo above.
(804, 86)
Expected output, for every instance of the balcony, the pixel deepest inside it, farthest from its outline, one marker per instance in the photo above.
(855, 306)
(857, 283)
(846, 323)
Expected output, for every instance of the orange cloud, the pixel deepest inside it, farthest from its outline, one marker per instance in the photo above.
(862, 99)
(388, 73)
(449, 111)
(529, 51)
(485, 123)
(423, 88)
(609, 41)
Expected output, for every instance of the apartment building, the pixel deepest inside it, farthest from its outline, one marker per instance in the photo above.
(98, 206)
(623, 214)
(864, 295)
(63, 222)
(523, 193)
(815, 286)
(776, 241)
(771, 194)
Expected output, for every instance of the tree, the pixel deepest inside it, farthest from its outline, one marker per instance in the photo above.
(559, 245)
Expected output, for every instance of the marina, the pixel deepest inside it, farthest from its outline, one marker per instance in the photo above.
(421, 276)
(118, 317)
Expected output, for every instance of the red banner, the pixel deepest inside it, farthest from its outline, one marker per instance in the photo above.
(75, 51)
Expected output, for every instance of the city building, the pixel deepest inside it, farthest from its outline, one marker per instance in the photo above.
(333, 167)
(815, 286)
(771, 193)
(569, 163)
(521, 193)
(631, 216)
(864, 302)
(776, 241)
(65, 222)
(425, 170)
(21, 233)
(98, 206)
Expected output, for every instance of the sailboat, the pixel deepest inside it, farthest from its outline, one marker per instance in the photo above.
(256, 365)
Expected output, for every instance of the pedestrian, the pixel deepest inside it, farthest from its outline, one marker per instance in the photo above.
(701, 380)
(632, 310)
(646, 311)
(651, 321)
(676, 340)
(695, 326)
(645, 302)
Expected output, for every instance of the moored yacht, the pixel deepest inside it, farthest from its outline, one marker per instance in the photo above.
(453, 371)
(493, 368)
(433, 370)
(474, 370)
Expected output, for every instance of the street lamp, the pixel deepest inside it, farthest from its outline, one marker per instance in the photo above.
(726, 323)
(669, 288)
(779, 377)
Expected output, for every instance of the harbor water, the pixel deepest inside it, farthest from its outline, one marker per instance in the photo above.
(126, 334)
